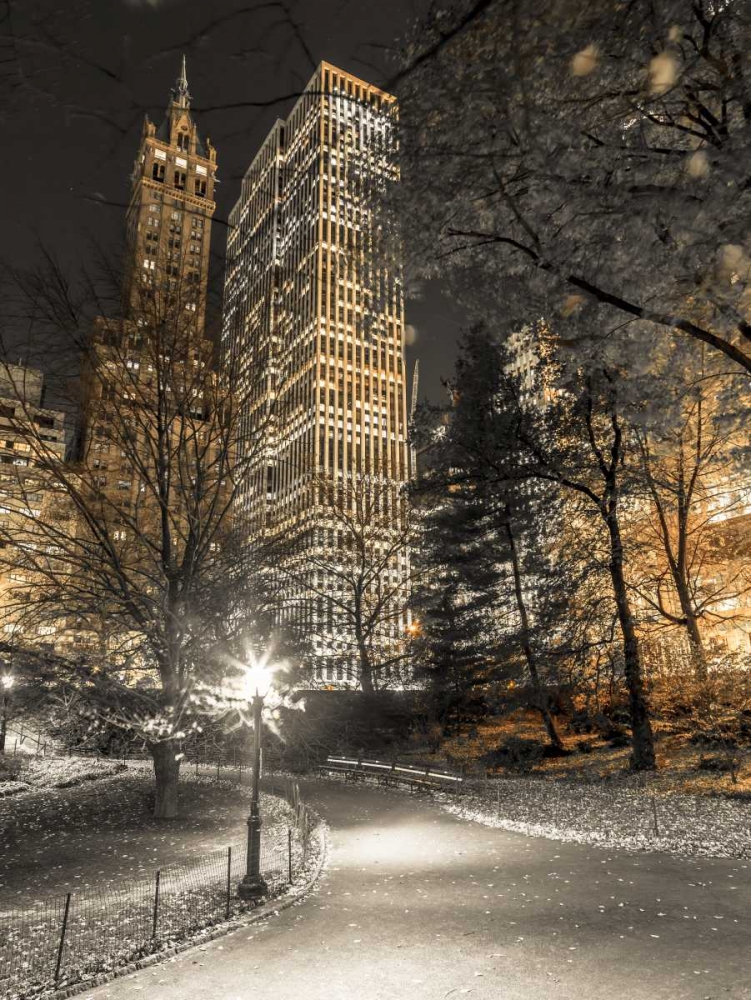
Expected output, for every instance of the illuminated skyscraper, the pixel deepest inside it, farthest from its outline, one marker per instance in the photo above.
(313, 330)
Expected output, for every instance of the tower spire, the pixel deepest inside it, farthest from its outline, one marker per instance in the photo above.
(415, 387)
(180, 92)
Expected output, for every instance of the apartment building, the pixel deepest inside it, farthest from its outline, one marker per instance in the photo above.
(32, 444)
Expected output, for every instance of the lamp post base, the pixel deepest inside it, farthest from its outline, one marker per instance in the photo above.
(252, 888)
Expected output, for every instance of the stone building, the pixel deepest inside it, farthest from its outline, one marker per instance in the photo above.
(169, 216)
(32, 445)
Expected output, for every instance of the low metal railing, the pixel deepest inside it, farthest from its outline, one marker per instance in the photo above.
(394, 772)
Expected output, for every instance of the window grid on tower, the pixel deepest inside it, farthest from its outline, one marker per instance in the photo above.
(313, 310)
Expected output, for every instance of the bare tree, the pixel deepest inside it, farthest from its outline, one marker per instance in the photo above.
(137, 560)
(345, 581)
(693, 489)
(578, 440)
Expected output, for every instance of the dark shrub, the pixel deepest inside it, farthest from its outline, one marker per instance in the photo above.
(581, 721)
(516, 753)
(10, 768)
(725, 764)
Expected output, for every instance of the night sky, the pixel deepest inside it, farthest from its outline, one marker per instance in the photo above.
(79, 76)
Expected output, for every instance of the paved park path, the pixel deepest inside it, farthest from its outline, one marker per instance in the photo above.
(417, 904)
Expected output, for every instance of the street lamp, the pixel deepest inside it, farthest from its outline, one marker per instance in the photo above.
(6, 681)
(257, 683)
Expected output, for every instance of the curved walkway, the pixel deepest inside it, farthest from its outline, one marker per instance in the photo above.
(417, 904)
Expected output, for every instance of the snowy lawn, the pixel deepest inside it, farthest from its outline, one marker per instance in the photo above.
(56, 840)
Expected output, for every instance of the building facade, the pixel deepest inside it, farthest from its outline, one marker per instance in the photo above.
(33, 438)
(157, 346)
(313, 331)
(169, 216)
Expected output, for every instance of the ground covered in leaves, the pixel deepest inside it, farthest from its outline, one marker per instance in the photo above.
(23, 774)
(684, 764)
(589, 795)
(611, 815)
(55, 840)
(137, 886)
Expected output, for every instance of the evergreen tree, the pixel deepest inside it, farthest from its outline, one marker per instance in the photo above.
(486, 536)
(485, 448)
(454, 598)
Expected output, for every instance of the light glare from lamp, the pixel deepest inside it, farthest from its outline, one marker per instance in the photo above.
(257, 677)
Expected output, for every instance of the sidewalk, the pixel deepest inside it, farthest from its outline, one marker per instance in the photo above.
(418, 904)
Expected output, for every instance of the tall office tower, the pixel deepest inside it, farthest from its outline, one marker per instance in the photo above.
(313, 331)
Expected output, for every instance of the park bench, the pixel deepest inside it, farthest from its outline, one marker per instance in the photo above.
(417, 777)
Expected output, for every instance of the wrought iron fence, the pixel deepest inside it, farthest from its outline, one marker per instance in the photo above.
(74, 937)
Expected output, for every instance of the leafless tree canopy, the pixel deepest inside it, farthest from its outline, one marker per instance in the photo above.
(133, 558)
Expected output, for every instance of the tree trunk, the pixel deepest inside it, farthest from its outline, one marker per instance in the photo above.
(642, 740)
(366, 667)
(4, 722)
(166, 772)
(677, 560)
(540, 694)
(366, 674)
(692, 628)
(697, 649)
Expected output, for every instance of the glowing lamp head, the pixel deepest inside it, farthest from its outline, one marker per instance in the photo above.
(257, 679)
(7, 681)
